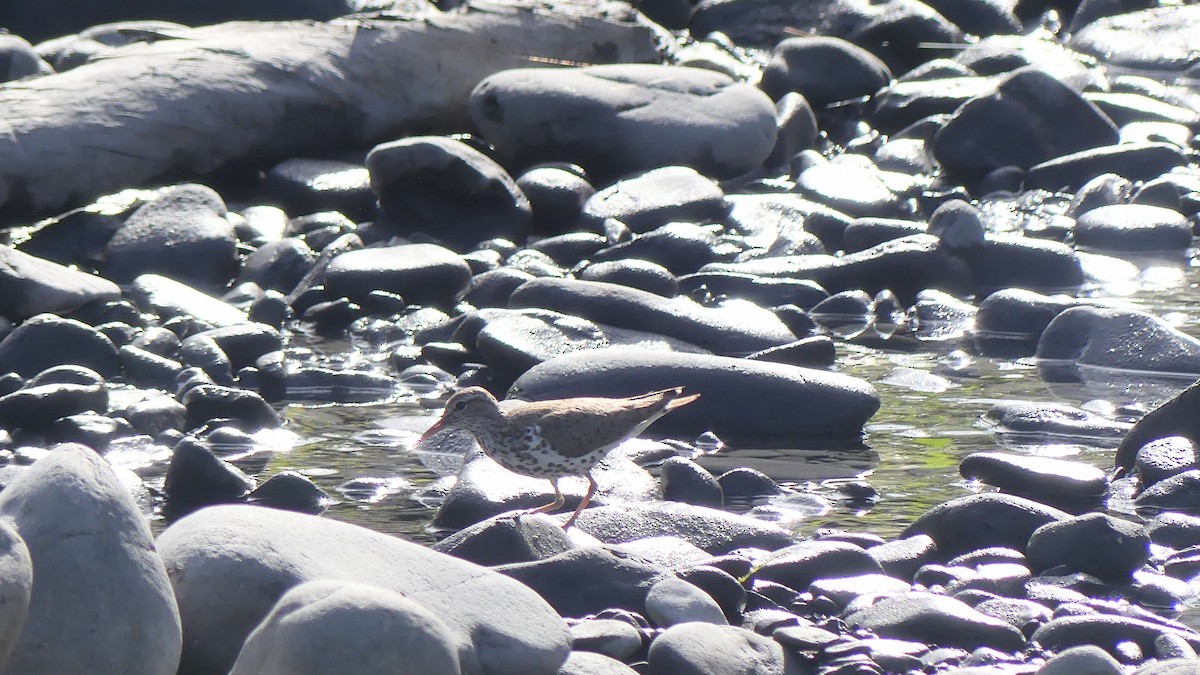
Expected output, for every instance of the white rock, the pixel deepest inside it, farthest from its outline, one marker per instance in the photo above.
(16, 586)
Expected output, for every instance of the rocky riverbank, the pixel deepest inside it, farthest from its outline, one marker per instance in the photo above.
(554, 201)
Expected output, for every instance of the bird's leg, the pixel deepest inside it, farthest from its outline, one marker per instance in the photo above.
(559, 500)
(583, 504)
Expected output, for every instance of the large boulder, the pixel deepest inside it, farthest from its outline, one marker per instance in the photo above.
(101, 600)
(231, 564)
(16, 587)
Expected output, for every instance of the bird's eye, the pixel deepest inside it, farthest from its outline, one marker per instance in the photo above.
(460, 406)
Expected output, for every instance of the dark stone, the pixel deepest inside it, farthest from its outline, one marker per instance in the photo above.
(304, 185)
(204, 353)
(812, 352)
(979, 17)
(1132, 161)
(278, 265)
(655, 198)
(207, 402)
(580, 115)
(1174, 530)
(243, 343)
(696, 648)
(147, 368)
(682, 480)
(936, 619)
(740, 400)
(1106, 631)
(1133, 228)
(183, 234)
(864, 233)
(1044, 479)
(423, 274)
(1121, 339)
(1163, 458)
(46, 341)
(556, 195)
(197, 478)
(634, 273)
(290, 491)
(796, 129)
(156, 415)
(448, 190)
(921, 100)
(169, 299)
(1010, 322)
(584, 581)
(570, 249)
(902, 558)
(1096, 543)
(824, 70)
(856, 188)
(763, 291)
(1173, 418)
(1180, 492)
(801, 564)
(506, 539)
(682, 248)
(1052, 420)
(1156, 39)
(746, 482)
(785, 224)
(36, 406)
(1029, 118)
(1005, 261)
(721, 586)
(720, 330)
(979, 521)
(30, 285)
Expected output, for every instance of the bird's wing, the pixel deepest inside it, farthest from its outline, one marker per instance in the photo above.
(583, 425)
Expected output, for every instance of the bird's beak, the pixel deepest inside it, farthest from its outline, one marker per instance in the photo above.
(436, 427)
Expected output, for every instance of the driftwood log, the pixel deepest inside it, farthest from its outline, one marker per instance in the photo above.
(263, 91)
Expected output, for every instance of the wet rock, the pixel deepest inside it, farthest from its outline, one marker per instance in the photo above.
(494, 287)
(1051, 420)
(278, 265)
(504, 539)
(1175, 530)
(681, 248)
(338, 386)
(588, 663)
(448, 190)
(222, 597)
(842, 590)
(1096, 543)
(183, 234)
(1180, 492)
(905, 266)
(290, 491)
(1132, 161)
(1163, 458)
(852, 185)
(1010, 321)
(1030, 117)
(674, 601)
(1105, 190)
(306, 185)
(1082, 659)
(94, 564)
(704, 649)
(169, 298)
(682, 480)
(1172, 418)
(423, 274)
(1118, 338)
(1024, 615)
(1002, 261)
(556, 195)
(30, 285)
(1044, 479)
(930, 618)
(744, 482)
(763, 291)
(709, 529)
(46, 340)
(720, 329)
(570, 249)
(801, 564)
(931, 95)
(1151, 39)
(213, 401)
(1133, 227)
(902, 558)
(787, 401)
(243, 343)
(635, 272)
(35, 407)
(580, 115)
(386, 629)
(655, 198)
(864, 233)
(156, 415)
(823, 70)
(1106, 631)
(979, 521)
(587, 580)
(783, 222)
(616, 639)
(197, 478)
(812, 352)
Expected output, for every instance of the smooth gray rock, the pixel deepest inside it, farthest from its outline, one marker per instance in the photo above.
(705, 649)
(30, 285)
(824, 70)
(799, 565)
(1106, 631)
(423, 274)
(349, 628)
(305, 185)
(718, 329)
(46, 340)
(230, 564)
(979, 521)
(851, 186)
(615, 639)
(617, 119)
(1051, 420)
(447, 189)
(674, 601)
(502, 540)
(16, 587)
(183, 234)
(636, 272)
(169, 298)
(1180, 492)
(1118, 338)
(709, 529)
(1133, 161)
(1082, 660)
(586, 580)
(1163, 458)
(1175, 417)
(588, 663)
(657, 197)
(936, 619)
(1126, 228)
(740, 400)
(1039, 478)
(101, 599)
(1161, 38)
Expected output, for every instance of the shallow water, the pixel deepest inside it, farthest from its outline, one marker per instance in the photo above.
(929, 419)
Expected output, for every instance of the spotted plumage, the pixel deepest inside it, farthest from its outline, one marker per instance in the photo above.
(551, 439)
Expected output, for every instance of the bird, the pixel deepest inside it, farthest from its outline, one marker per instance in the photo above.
(554, 438)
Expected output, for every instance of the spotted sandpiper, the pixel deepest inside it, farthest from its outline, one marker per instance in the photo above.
(551, 439)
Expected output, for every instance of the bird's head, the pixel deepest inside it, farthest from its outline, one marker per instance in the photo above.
(466, 410)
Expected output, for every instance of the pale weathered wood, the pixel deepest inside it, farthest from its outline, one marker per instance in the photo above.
(263, 91)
